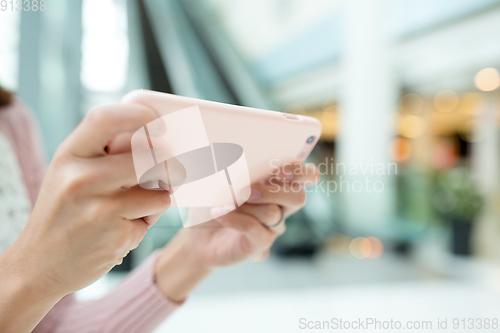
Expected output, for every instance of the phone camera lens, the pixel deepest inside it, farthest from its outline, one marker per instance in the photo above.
(310, 140)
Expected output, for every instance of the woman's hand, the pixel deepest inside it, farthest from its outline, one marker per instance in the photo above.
(236, 236)
(88, 216)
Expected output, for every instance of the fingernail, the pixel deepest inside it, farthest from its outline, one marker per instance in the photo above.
(163, 186)
(220, 211)
(245, 193)
(149, 185)
(254, 194)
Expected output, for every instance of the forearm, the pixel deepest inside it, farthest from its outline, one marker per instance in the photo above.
(24, 298)
(135, 305)
(179, 270)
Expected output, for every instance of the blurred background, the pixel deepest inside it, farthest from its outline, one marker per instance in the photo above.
(406, 91)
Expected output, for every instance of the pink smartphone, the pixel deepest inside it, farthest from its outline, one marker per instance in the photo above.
(208, 154)
(269, 139)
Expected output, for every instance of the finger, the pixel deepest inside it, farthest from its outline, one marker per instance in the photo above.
(307, 174)
(291, 196)
(111, 173)
(175, 175)
(268, 214)
(139, 228)
(121, 143)
(259, 237)
(102, 123)
(130, 235)
(152, 219)
(137, 203)
(261, 256)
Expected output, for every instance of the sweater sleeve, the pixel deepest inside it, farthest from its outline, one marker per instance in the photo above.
(18, 126)
(136, 305)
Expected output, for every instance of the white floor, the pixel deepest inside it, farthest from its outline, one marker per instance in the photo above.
(280, 311)
(273, 296)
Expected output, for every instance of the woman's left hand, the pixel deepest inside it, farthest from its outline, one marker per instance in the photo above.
(239, 235)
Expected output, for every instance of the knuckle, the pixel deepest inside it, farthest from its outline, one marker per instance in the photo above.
(121, 239)
(99, 116)
(93, 211)
(300, 198)
(108, 209)
(137, 233)
(62, 163)
(273, 213)
(282, 230)
(316, 174)
(59, 157)
(141, 233)
(164, 200)
(270, 241)
(249, 224)
(111, 258)
(102, 210)
(72, 188)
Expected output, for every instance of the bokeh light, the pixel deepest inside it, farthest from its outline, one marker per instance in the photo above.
(354, 248)
(377, 247)
(329, 118)
(400, 150)
(338, 243)
(411, 126)
(411, 103)
(446, 101)
(365, 247)
(445, 155)
(487, 79)
(369, 247)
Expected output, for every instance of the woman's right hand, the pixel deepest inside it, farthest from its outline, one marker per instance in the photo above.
(89, 213)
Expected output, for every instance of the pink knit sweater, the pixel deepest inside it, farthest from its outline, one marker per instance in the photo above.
(136, 305)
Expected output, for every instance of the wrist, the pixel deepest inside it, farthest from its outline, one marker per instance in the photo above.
(20, 267)
(24, 297)
(32, 264)
(179, 270)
